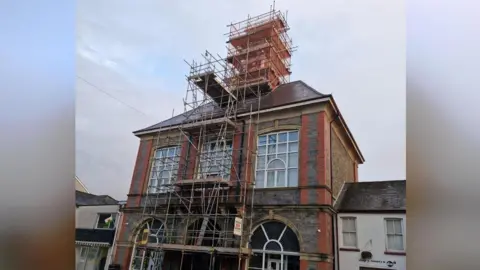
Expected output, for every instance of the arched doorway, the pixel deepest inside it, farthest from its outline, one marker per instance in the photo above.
(203, 232)
(275, 247)
(152, 231)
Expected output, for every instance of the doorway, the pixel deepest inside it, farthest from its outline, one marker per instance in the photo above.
(274, 264)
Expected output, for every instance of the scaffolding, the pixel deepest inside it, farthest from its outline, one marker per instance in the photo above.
(201, 180)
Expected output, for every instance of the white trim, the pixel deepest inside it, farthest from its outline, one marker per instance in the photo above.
(320, 100)
(244, 114)
(113, 214)
(339, 193)
(81, 184)
(188, 125)
(92, 244)
(286, 253)
(342, 121)
(279, 108)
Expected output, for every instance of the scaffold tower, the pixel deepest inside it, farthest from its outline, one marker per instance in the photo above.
(200, 198)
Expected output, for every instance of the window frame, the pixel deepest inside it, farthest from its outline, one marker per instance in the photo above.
(139, 254)
(285, 161)
(83, 254)
(199, 167)
(355, 232)
(114, 215)
(160, 188)
(385, 222)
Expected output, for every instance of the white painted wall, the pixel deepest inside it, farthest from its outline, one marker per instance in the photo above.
(86, 216)
(371, 236)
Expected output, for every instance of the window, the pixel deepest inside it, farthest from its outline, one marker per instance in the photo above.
(141, 257)
(277, 160)
(394, 231)
(87, 255)
(82, 258)
(106, 221)
(164, 169)
(269, 241)
(349, 232)
(216, 159)
(83, 253)
(92, 253)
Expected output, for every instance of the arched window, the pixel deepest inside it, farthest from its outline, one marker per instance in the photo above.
(164, 169)
(152, 231)
(277, 160)
(275, 246)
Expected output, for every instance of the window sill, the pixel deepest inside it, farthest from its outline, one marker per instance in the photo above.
(274, 188)
(398, 253)
(350, 249)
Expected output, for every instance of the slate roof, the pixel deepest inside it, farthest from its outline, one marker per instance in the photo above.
(94, 235)
(381, 196)
(83, 199)
(285, 94)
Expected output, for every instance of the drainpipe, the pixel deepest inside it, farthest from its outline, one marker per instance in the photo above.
(240, 157)
(334, 216)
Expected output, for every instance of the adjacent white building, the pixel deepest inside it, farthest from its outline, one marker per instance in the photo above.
(371, 226)
(95, 230)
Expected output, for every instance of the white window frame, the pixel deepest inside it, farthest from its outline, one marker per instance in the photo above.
(115, 216)
(266, 253)
(221, 148)
(141, 253)
(83, 254)
(265, 158)
(172, 166)
(343, 232)
(91, 254)
(385, 221)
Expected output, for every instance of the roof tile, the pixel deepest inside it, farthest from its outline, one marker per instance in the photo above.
(372, 196)
(285, 94)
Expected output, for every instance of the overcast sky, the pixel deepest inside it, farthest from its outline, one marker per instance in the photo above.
(131, 73)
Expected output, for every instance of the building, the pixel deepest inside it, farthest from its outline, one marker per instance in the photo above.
(95, 229)
(79, 185)
(371, 226)
(248, 173)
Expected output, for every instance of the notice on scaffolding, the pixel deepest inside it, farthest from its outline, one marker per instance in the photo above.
(237, 230)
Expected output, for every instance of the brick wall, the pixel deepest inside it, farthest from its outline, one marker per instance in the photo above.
(343, 165)
(313, 225)
(140, 172)
(314, 165)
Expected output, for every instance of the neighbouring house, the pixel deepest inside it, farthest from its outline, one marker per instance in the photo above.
(79, 185)
(372, 226)
(96, 221)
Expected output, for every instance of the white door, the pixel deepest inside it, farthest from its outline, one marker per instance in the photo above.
(274, 264)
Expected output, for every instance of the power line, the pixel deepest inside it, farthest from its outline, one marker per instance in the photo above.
(113, 97)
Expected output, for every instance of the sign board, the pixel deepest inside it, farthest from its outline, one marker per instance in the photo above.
(381, 262)
(237, 229)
